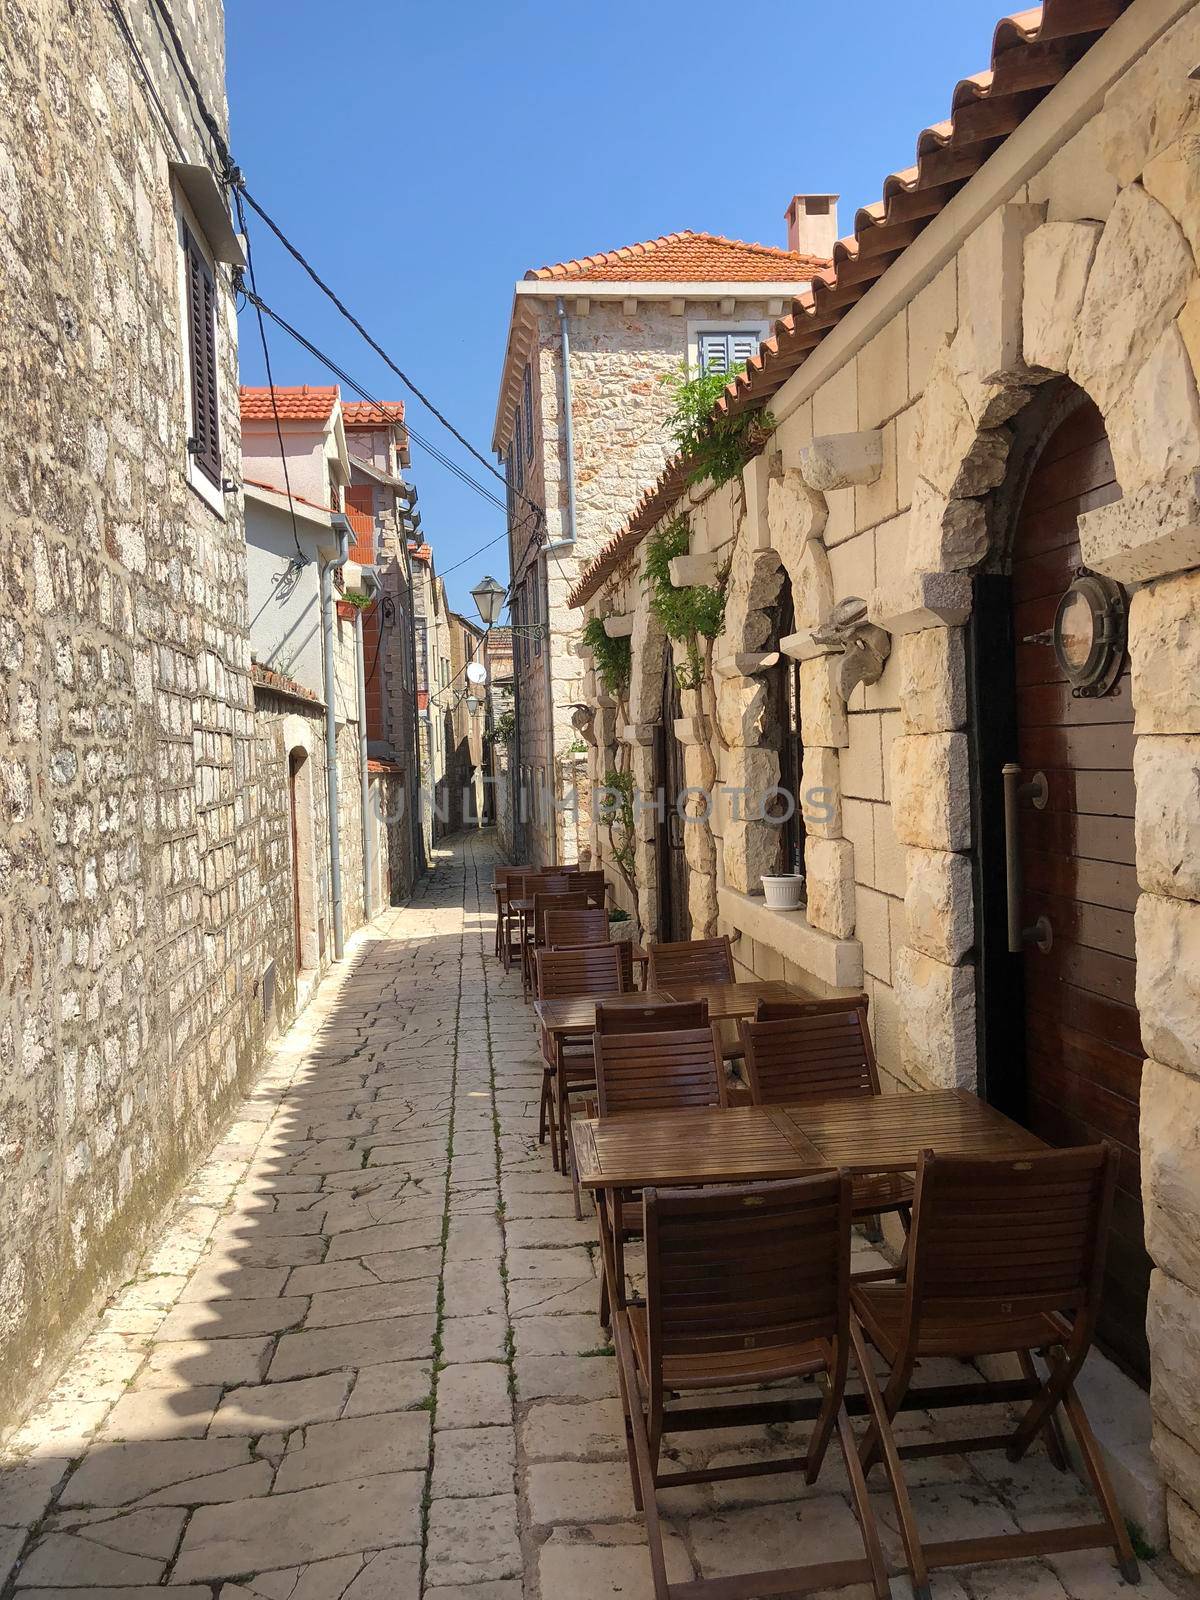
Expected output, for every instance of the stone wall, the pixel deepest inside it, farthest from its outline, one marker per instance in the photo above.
(129, 998)
(890, 479)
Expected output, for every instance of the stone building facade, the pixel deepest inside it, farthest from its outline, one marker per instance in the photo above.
(131, 1001)
(627, 319)
(959, 415)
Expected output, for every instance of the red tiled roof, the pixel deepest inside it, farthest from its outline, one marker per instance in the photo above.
(688, 258)
(421, 552)
(301, 500)
(268, 678)
(362, 414)
(1031, 52)
(298, 402)
(391, 768)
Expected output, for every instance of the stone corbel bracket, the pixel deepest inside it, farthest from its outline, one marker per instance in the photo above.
(842, 460)
(864, 645)
(619, 626)
(1149, 533)
(693, 569)
(745, 663)
(638, 733)
(583, 721)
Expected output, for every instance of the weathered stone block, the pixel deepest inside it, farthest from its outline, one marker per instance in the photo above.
(822, 709)
(841, 460)
(1152, 104)
(952, 453)
(1154, 429)
(1173, 178)
(1137, 286)
(1058, 258)
(1170, 1150)
(822, 793)
(944, 535)
(933, 680)
(937, 1015)
(829, 873)
(921, 600)
(939, 904)
(1167, 815)
(1168, 980)
(795, 513)
(989, 353)
(1149, 533)
(1173, 1328)
(1164, 647)
(931, 800)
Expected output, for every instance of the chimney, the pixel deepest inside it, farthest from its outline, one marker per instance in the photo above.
(812, 224)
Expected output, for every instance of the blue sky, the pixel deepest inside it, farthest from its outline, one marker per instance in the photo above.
(424, 156)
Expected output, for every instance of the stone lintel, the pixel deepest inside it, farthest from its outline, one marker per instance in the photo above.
(619, 626)
(1149, 533)
(803, 647)
(922, 600)
(842, 460)
(745, 663)
(691, 569)
(837, 963)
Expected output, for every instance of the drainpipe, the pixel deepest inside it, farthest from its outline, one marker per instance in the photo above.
(564, 329)
(341, 526)
(367, 831)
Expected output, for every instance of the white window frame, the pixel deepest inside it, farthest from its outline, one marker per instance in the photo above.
(722, 325)
(185, 218)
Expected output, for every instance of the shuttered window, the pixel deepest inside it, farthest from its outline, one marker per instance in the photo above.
(518, 453)
(722, 352)
(529, 412)
(509, 483)
(204, 445)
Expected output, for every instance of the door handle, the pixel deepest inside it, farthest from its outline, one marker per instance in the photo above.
(1036, 789)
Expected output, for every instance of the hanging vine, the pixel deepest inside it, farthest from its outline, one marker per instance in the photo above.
(714, 446)
(690, 614)
(616, 813)
(613, 657)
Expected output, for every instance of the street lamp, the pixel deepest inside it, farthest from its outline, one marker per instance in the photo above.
(489, 600)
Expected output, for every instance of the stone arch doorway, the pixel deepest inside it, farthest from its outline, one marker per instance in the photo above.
(1060, 1033)
(304, 896)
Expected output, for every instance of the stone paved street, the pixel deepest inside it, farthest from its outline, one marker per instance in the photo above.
(363, 1359)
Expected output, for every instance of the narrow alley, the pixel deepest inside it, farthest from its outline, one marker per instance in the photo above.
(363, 1360)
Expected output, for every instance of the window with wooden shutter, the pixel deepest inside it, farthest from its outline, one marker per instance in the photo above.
(529, 411)
(518, 453)
(204, 445)
(723, 351)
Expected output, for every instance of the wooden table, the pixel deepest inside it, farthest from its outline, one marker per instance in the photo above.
(878, 1134)
(576, 1014)
(730, 1001)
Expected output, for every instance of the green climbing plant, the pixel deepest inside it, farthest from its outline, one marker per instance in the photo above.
(613, 657)
(690, 614)
(714, 445)
(506, 727)
(616, 813)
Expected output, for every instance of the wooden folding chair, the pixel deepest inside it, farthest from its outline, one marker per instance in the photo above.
(569, 1065)
(691, 961)
(661, 1016)
(640, 1069)
(1006, 1255)
(564, 929)
(746, 1285)
(822, 1050)
(562, 899)
(503, 883)
(595, 885)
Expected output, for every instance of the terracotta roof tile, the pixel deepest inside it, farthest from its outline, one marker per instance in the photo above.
(300, 499)
(299, 402)
(1031, 52)
(688, 258)
(362, 414)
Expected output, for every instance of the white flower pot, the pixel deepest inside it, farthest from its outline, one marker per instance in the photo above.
(784, 893)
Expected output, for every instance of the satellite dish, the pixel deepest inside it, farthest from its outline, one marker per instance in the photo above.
(476, 672)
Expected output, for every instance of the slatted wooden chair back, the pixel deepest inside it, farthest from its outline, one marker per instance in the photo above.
(658, 1071)
(1011, 1236)
(819, 1050)
(653, 1017)
(543, 901)
(535, 882)
(594, 885)
(691, 961)
(587, 925)
(756, 1266)
(593, 969)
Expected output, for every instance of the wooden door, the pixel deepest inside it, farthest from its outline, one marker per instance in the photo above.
(295, 762)
(1082, 1041)
(674, 918)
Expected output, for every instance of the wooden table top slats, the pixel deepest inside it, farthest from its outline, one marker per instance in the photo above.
(886, 1133)
(749, 1143)
(725, 1001)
